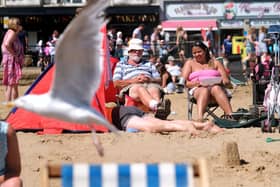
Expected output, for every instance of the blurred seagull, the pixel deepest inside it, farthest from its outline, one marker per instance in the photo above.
(79, 64)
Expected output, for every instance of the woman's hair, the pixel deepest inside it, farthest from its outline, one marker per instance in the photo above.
(201, 45)
(263, 29)
(13, 23)
(161, 69)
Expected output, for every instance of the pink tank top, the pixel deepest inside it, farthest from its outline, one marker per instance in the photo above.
(204, 74)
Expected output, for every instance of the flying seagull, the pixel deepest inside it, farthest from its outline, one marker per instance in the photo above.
(79, 64)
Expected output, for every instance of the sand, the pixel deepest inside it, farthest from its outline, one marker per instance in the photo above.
(260, 161)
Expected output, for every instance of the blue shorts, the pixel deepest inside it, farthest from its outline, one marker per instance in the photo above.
(3, 146)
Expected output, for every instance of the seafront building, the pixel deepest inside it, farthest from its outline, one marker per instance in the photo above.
(41, 17)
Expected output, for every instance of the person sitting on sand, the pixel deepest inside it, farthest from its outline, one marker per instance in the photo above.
(132, 119)
(10, 166)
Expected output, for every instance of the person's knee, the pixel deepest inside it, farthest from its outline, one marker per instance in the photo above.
(216, 89)
(202, 93)
(135, 90)
(154, 92)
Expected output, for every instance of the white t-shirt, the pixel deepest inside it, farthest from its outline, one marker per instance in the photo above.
(173, 70)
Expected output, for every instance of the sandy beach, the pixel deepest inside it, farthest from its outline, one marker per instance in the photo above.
(260, 161)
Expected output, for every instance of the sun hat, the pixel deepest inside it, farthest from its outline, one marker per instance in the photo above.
(170, 58)
(135, 44)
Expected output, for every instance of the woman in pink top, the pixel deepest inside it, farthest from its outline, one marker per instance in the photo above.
(202, 67)
(12, 61)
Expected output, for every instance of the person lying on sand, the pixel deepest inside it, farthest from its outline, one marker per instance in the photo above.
(132, 119)
(10, 166)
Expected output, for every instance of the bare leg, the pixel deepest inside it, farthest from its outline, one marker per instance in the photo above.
(151, 124)
(208, 126)
(139, 93)
(12, 161)
(155, 93)
(8, 93)
(202, 96)
(221, 98)
(15, 92)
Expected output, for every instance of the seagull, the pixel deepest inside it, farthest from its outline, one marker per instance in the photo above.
(79, 65)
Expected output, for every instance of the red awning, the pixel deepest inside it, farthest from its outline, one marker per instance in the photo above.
(195, 25)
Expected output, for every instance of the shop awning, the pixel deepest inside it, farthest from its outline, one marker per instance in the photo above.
(194, 25)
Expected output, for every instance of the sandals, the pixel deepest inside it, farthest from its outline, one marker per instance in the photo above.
(164, 109)
(228, 117)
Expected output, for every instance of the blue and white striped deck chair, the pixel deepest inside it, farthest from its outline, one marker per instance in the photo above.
(128, 175)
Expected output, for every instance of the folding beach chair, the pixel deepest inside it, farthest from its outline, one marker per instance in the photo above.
(126, 175)
(210, 109)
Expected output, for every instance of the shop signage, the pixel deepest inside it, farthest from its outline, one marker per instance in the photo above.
(258, 9)
(231, 24)
(147, 18)
(227, 10)
(130, 2)
(259, 23)
(23, 2)
(194, 10)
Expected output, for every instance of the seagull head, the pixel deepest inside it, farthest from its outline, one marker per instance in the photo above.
(30, 102)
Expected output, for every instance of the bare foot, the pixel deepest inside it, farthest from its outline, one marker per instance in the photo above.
(211, 127)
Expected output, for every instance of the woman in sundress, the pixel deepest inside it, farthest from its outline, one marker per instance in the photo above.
(13, 58)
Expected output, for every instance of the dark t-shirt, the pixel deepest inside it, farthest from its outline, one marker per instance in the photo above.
(228, 47)
(22, 35)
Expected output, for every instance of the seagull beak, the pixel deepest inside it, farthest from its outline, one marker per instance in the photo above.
(9, 104)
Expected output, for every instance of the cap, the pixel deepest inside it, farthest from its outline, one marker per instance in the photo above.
(135, 44)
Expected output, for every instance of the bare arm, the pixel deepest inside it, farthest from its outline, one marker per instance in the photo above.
(138, 79)
(13, 164)
(221, 69)
(164, 80)
(186, 71)
(123, 83)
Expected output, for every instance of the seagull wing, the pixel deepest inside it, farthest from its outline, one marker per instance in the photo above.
(79, 58)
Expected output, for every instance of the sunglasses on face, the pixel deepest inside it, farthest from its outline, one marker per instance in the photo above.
(136, 51)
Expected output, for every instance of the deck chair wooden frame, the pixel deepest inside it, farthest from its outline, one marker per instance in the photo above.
(199, 171)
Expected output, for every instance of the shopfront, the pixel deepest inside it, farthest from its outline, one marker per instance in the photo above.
(233, 18)
(126, 18)
(39, 17)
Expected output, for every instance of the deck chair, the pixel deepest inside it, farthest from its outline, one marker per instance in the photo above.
(126, 175)
(112, 93)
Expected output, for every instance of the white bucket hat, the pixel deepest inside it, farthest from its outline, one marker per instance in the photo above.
(135, 44)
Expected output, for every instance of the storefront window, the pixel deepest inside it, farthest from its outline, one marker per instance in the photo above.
(53, 2)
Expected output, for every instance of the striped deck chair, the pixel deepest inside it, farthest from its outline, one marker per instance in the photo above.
(127, 175)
